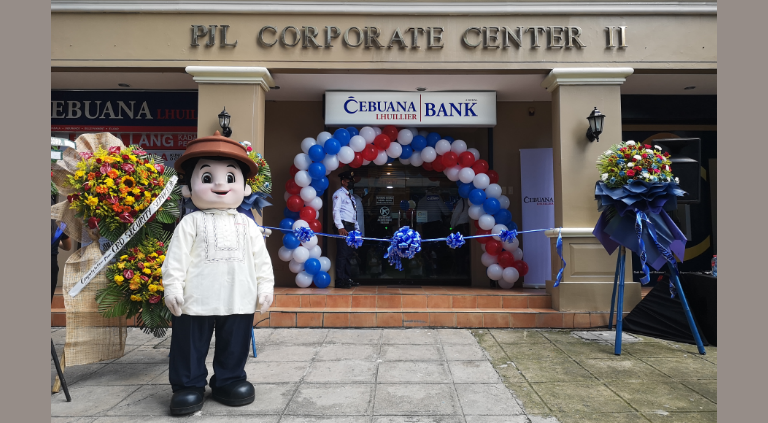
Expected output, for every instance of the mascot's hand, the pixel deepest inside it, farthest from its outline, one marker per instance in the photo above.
(265, 231)
(174, 303)
(266, 301)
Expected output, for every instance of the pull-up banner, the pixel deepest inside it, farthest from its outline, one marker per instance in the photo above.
(414, 109)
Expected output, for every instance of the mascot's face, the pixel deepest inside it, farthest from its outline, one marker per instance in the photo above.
(218, 184)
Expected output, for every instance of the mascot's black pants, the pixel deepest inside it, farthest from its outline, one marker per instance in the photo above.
(190, 339)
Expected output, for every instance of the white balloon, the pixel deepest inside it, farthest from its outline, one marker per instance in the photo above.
(466, 175)
(331, 163)
(475, 152)
(486, 222)
(300, 254)
(308, 194)
(504, 201)
(367, 133)
(317, 212)
(366, 162)
(493, 191)
(381, 158)
(303, 279)
(287, 195)
(416, 159)
(453, 173)
(405, 136)
(300, 223)
(494, 272)
(377, 130)
(428, 154)
(306, 144)
(511, 246)
(458, 146)
(475, 211)
(504, 284)
(295, 267)
(510, 275)
(424, 133)
(482, 247)
(442, 147)
(404, 161)
(325, 264)
(285, 254)
(316, 203)
(518, 254)
(481, 181)
(413, 130)
(488, 259)
(302, 161)
(315, 252)
(302, 178)
(394, 150)
(310, 244)
(323, 137)
(357, 143)
(497, 230)
(346, 155)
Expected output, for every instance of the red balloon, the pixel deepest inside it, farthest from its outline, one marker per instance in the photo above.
(484, 240)
(438, 165)
(295, 203)
(477, 225)
(294, 169)
(315, 225)
(389, 131)
(493, 176)
(291, 187)
(450, 159)
(307, 213)
(370, 152)
(480, 166)
(506, 259)
(466, 159)
(357, 161)
(427, 166)
(521, 266)
(493, 247)
(382, 141)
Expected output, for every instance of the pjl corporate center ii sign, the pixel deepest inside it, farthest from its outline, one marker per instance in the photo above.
(410, 108)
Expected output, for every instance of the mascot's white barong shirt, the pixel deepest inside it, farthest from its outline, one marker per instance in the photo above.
(218, 262)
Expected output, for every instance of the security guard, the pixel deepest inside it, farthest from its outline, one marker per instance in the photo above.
(345, 219)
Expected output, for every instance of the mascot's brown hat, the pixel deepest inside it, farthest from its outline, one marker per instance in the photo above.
(218, 146)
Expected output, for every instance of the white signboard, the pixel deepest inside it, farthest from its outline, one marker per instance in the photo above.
(538, 194)
(415, 109)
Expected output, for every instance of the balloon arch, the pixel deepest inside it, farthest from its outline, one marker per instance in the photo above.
(324, 154)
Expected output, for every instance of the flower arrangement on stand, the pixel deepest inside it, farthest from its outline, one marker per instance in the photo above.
(629, 161)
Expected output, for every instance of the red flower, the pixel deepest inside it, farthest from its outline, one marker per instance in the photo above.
(98, 160)
(630, 173)
(141, 265)
(657, 170)
(87, 186)
(131, 258)
(73, 197)
(128, 273)
(104, 169)
(159, 252)
(139, 152)
(639, 169)
(93, 222)
(154, 299)
(125, 157)
(114, 150)
(160, 244)
(633, 159)
(144, 278)
(249, 149)
(160, 168)
(666, 154)
(127, 167)
(125, 217)
(86, 155)
(627, 156)
(648, 146)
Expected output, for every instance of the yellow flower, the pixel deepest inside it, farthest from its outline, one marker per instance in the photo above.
(135, 191)
(153, 255)
(140, 255)
(135, 298)
(109, 183)
(147, 194)
(123, 258)
(151, 167)
(150, 265)
(161, 258)
(129, 200)
(147, 270)
(121, 266)
(91, 201)
(119, 279)
(79, 174)
(160, 288)
(132, 157)
(135, 279)
(152, 288)
(133, 286)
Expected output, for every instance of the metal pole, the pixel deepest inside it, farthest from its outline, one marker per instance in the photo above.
(58, 370)
(620, 305)
(615, 285)
(694, 330)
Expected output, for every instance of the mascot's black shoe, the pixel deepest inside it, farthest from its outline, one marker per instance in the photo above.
(187, 401)
(237, 393)
(353, 283)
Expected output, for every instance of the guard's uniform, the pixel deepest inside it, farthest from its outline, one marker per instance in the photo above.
(344, 216)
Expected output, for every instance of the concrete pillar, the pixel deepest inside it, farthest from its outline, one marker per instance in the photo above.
(242, 91)
(588, 280)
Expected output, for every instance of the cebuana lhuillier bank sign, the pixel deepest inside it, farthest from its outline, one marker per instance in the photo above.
(411, 108)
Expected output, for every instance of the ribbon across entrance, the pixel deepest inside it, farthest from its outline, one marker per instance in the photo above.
(120, 243)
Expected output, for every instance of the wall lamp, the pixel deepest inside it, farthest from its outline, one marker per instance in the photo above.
(595, 120)
(224, 118)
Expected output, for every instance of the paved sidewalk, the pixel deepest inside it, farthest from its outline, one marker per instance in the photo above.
(411, 375)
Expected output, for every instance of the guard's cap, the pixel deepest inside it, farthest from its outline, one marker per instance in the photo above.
(347, 175)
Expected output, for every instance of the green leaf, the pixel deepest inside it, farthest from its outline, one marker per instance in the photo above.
(112, 301)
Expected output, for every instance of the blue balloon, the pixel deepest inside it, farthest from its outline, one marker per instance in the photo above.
(512, 226)
(286, 225)
(390, 159)
(418, 143)
(477, 196)
(316, 153)
(290, 214)
(321, 279)
(290, 241)
(319, 184)
(491, 205)
(312, 266)
(316, 170)
(464, 190)
(352, 131)
(449, 139)
(342, 135)
(503, 216)
(407, 152)
(433, 138)
(332, 146)
(404, 205)
(319, 192)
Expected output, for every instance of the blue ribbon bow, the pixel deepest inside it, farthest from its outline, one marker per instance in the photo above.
(455, 240)
(665, 252)
(354, 239)
(303, 233)
(508, 235)
(404, 244)
(559, 247)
